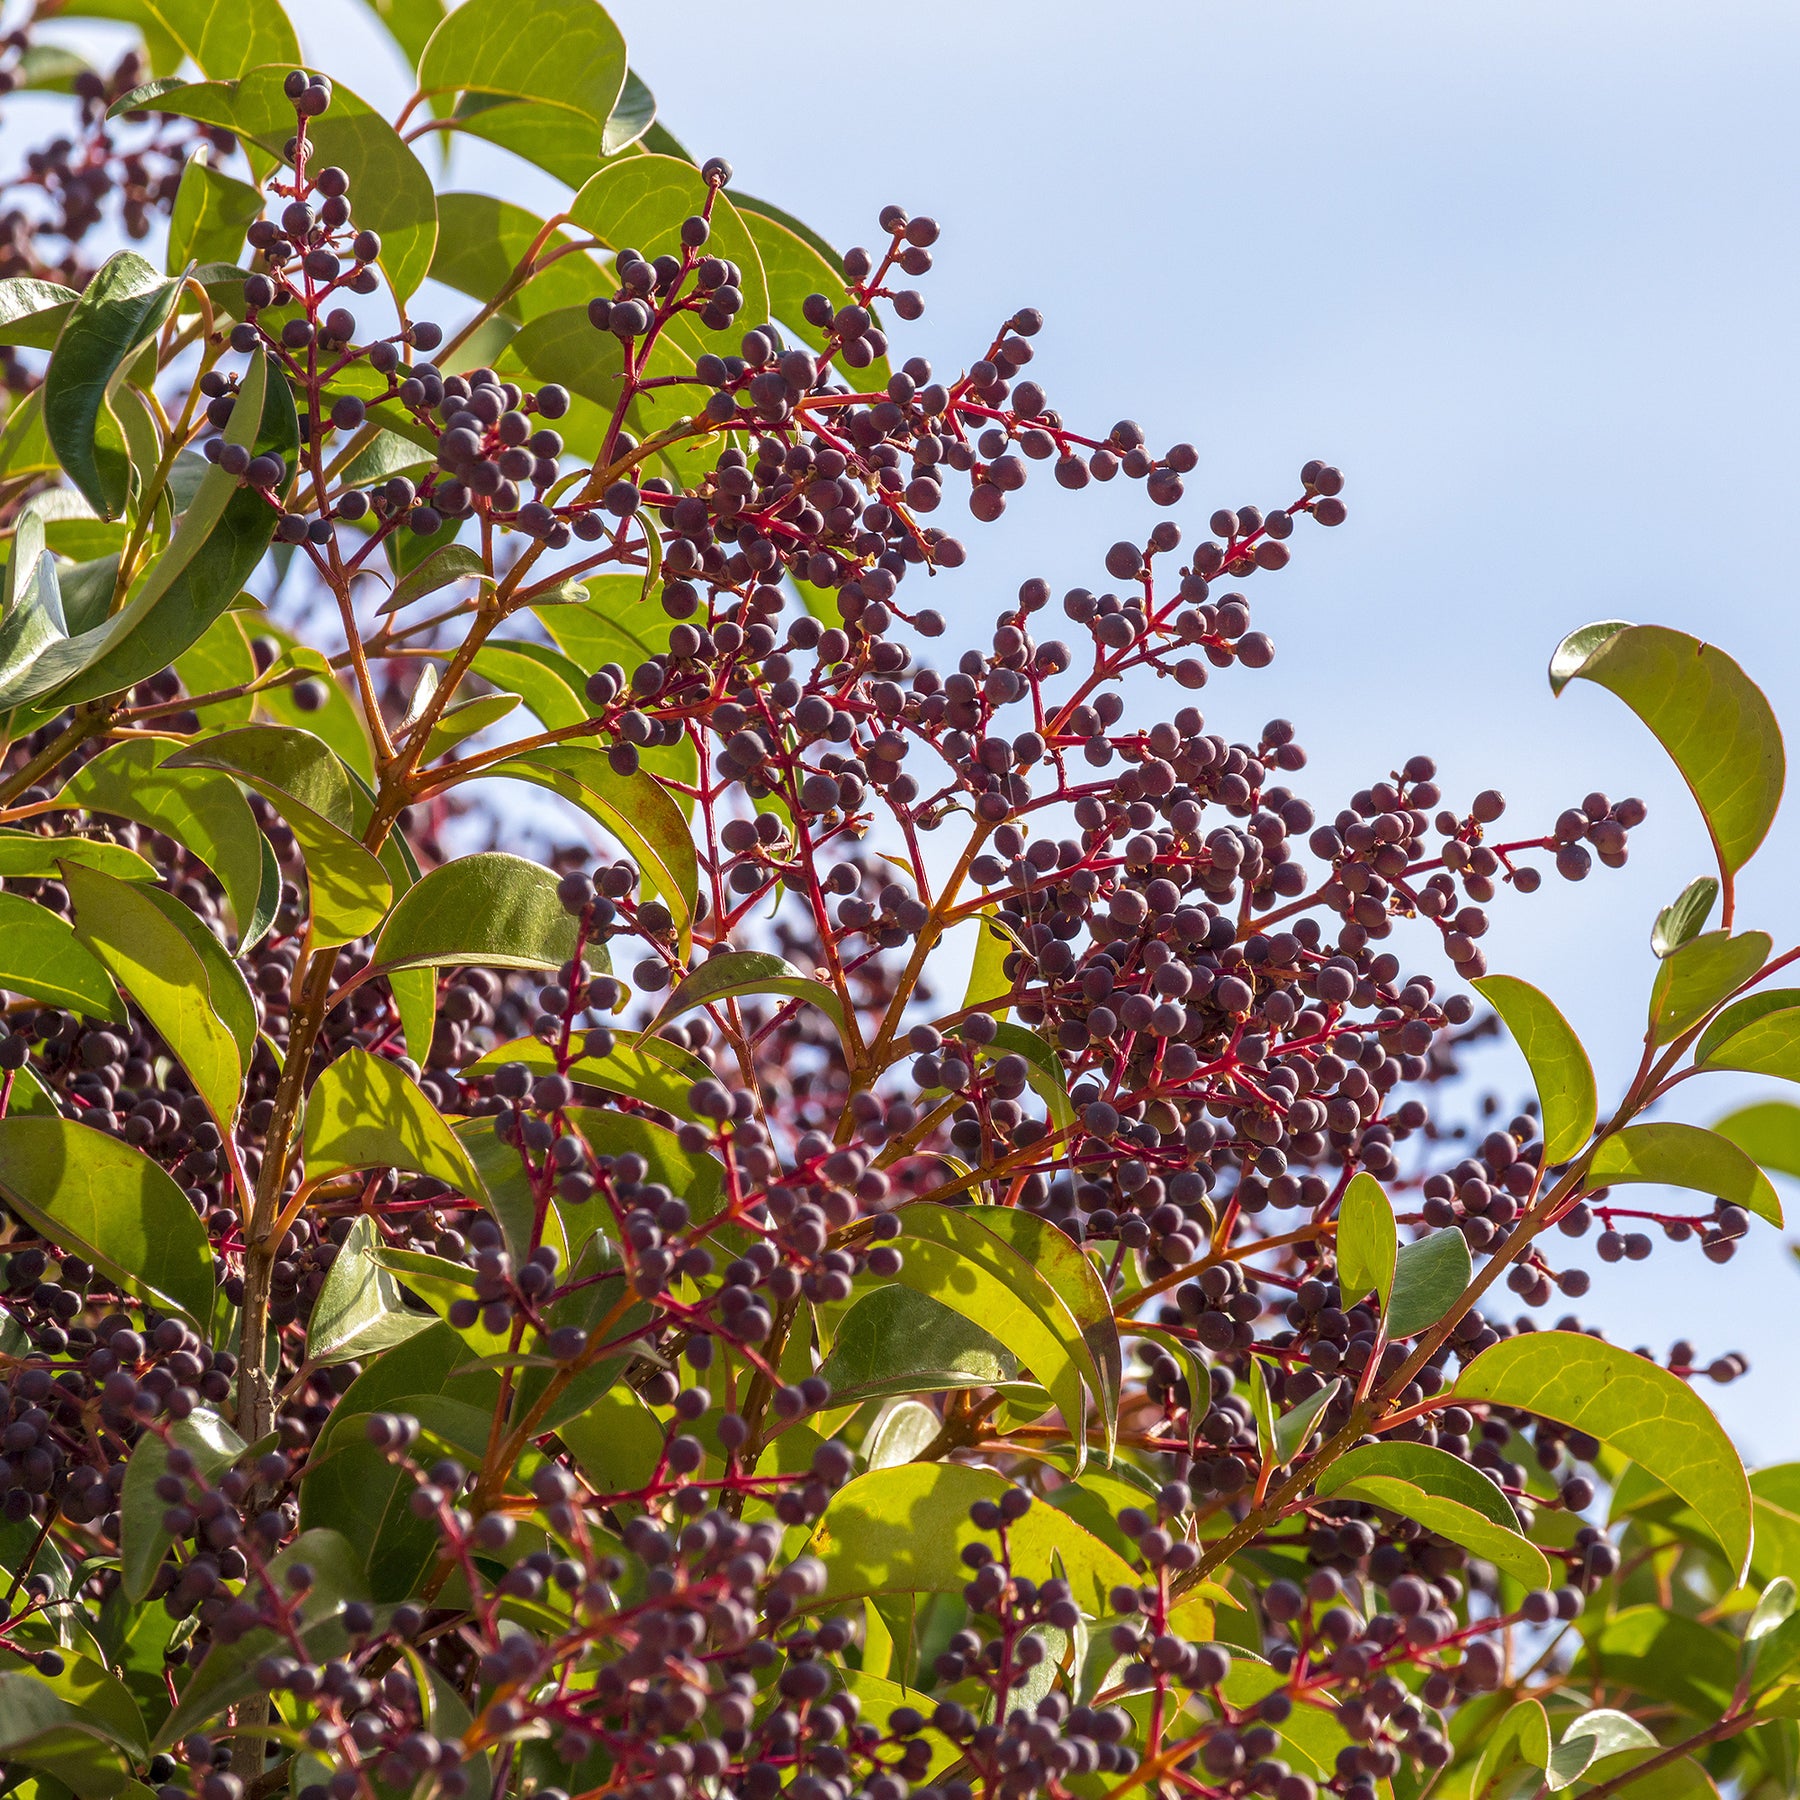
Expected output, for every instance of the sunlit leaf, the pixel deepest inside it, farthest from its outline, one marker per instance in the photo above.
(1671, 1154)
(1560, 1069)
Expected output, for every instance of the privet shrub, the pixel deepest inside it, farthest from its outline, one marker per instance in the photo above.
(618, 1325)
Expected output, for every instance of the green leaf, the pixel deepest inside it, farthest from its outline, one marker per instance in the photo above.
(490, 909)
(1669, 1154)
(220, 659)
(37, 623)
(1043, 1069)
(1560, 1069)
(1705, 712)
(1758, 1035)
(1424, 1466)
(548, 683)
(350, 1487)
(41, 956)
(988, 980)
(463, 718)
(1773, 1607)
(32, 311)
(98, 1197)
(214, 1447)
(616, 1443)
(212, 211)
(482, 239)
(338, 721)
(697, 1177)
(367, 1113)
(1296, 1425)
(896, 1342)
(415, 999)
(902, 1531)
(359, 1312)
(1642, 1410)
(1262, 1410)
(1522, 1737)
(219, 540)
(41, 1730)
(1602, 1732)
(1430, 1275)
(1691, 981)
(1680, 921)
(796, 262)
(410, 23)
(635, 809)
(22, 854)
(452, 562)
(305, 782)
(118, 313)
(1367, 1242)
(227, 40)
(202, 811)
(226, 986)
(641, 201)
(736, 973)
(1474, 1531)
(392, 192)
(1768, 1133)
(652, 1070)
(229, 1671)
(151, 958)
(951, 1258)
(562, 65)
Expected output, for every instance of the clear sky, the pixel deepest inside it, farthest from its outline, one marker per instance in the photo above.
(1527, 273)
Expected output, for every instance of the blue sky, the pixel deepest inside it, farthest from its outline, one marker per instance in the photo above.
(1528, 274)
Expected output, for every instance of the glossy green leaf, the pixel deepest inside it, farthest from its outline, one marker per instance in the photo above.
(741, 973)
(483, 239)
(36, 622)
(1768, 1133)
(1560, 1069)
(896, 1342)
(635, 809)
(301, 778)
(41, 956)
(1681, 920)
(1774, 1606)
(651, 1069)
(1474, 1531)
(359, 1312)
(1430, 1275)
(229, 1671)
(202, 811)
(367, 1113)
(1705, 712)
(1757, 1035)
(1670, 1154)
(153, 961)
(641, 201)
(453, 562)
(1423, 1466)
(227, 989)
(214, 1447)
(1665, 1655)
(951, 1258)
(98, 1197)
(1299, 1422)
(1521, 1738)
(118, 313)
(463, 718)
(1586, 1740)
(902, 1531)
(218, 541)
(41, 1730)
(393, 193)
(23, 854)
(1641, 1410)
(988, 980)
(796, 262)
(1262, 1410)
(616, 1443)
(490, 909)
(1367, 1241)
(212, 211)
(548, 683)
(563, 69)
(32, 311)
(1691, 981)
(227, 40)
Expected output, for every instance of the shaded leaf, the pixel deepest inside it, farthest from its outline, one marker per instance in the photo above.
(896, 1342)
(212, 211)
(22, 853)
(1297, 1424)
(359, 1312)
(737, 973)
(1430, 1275)
(482, 239)
(1424, 1466)
(1680, 921)
(451, 562)
(118, 313)
(214, 1447)
(490, 909)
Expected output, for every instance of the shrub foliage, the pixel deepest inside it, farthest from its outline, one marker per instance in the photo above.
(622, 1320)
